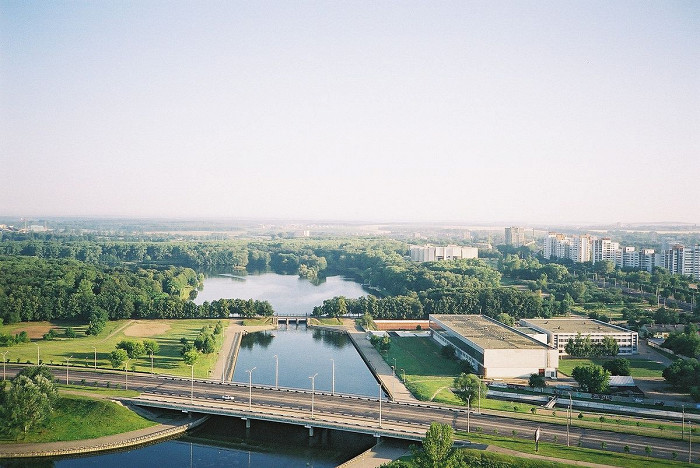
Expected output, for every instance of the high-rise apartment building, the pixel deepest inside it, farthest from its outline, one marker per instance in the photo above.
(604, 249)
(515, 236)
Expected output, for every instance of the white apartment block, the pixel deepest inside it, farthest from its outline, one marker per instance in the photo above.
(431, 253)
(515, 236)
(560, 330)
(677, 259)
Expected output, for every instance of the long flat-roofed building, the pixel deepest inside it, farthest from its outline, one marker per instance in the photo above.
(560, 330)
(493, 348)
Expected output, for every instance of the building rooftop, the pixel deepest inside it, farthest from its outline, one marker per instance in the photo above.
(486, 333)
(575, 325)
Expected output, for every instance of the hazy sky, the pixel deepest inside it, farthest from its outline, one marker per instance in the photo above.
(547, 112)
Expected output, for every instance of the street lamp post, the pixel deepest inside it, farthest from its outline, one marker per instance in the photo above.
(95, 350)
(126, 375)
(468, 411)
(250, 387)
(313, 391)
(683, 422)
(690, 442)
(152, 362)
(479, 396)
(277, 369)
(4, 362)
(37, 353)
(67, 364)
(403, 375)
(568, 420)
(393, 372)
(380, 405)
(191, 382)
(332, 377)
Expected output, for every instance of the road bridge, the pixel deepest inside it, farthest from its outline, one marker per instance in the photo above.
(354, 413)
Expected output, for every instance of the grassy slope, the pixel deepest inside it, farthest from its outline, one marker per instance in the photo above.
(76, 417)
(168, 359)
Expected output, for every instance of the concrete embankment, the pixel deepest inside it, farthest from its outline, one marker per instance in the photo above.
(383, 452)
(100, 444)
(391, 384)
(232, 356)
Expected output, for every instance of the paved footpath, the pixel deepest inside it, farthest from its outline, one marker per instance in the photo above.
(384, 452)
(167, 428)
(391, 383)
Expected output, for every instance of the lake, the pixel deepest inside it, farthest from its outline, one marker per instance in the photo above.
(288, 294)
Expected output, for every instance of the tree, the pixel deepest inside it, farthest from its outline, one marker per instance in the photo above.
(609, 346)
(134, 349)
(683, 374)
(467, 386)
(28, 402)
(118, 357)
(505, 319)
(618, 366)
(591, 378)
(436, 450)
(537, 381)
(190, 357)
(151, 346)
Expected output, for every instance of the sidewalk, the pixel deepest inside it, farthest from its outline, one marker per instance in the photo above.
(384, 452)
(382, 371)
(167, 428)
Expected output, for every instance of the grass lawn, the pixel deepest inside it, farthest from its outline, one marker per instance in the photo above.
(326, 321)
(638, 367)
(76, 417)
(166, 332)
(570, 453)
(420, 356)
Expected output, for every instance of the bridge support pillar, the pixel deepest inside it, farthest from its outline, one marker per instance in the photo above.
(247, 423)
(311, 430)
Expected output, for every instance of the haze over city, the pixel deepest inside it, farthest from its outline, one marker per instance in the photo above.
(540, 112)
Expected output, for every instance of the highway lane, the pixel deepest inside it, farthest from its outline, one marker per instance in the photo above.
(367, 410)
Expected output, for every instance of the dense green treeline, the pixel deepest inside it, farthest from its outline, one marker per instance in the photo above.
(46, 289)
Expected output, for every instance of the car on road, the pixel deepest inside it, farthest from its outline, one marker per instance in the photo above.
(227, 398)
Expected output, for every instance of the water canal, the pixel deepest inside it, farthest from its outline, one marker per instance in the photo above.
(301, 353)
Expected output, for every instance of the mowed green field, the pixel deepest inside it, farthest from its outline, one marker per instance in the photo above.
(638, 367)
(167, 333)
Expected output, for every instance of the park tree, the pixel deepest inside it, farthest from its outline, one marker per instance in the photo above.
(118, 357)
(591, 378)
(190, 357)
(617, 366)
(468, 385)
(436, 450)
(151, 346)
(537, 381)
(28, 401)
(134, 349)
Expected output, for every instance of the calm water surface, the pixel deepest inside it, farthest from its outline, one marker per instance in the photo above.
(288, 294)
(302, 353)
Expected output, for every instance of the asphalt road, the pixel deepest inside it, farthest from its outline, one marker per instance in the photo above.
(367, 410)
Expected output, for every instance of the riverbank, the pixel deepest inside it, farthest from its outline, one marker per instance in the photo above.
(226, 361)
(169, 427)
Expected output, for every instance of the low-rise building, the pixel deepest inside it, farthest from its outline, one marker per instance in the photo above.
(560, 330)
(494, 349)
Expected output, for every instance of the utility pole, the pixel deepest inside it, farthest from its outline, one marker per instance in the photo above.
(67, 364)
(277, 368)
(333, 377)
(313, 392)
(380, 405)
(95, 350)
(469, 410)
(4, 362)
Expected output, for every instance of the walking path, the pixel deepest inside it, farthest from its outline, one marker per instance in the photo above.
(382, 371)
(226, 361)
(166, 429)
(384, 451)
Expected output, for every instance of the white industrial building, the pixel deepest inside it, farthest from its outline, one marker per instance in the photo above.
(560, 330)
(495, 350)
(431, 253)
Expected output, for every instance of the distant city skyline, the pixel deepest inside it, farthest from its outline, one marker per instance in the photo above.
(519, 113)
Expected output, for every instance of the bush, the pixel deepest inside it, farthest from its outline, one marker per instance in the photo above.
(70, 333)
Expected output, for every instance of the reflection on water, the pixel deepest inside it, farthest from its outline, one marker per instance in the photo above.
(288, 294)
(301, 353)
